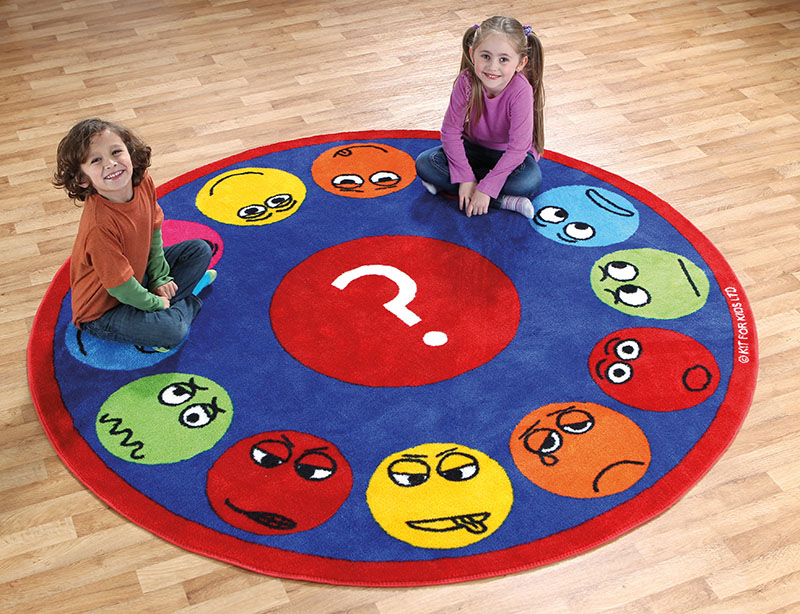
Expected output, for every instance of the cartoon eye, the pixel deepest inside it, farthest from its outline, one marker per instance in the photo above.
(271, 453)
(347, 182)
(552, 215)
(200, 414)
(543, 443)
(408, 472)
(315, 466)
(630, 349)
(458, 467)
(619, 372)
(179, 393)
(279, 200)
(632, 296)
(385, 179)
(576, 422)
(195, 416)
(251, 211)
(579, 231)
(620, 271)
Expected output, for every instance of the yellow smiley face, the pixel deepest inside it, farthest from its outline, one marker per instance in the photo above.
(251, 196)
(439, 495)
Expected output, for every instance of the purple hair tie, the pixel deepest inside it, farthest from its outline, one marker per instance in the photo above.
(476, 26)
(527, 30)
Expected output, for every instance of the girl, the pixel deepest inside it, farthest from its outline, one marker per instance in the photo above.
(119, 247)
(493, 131)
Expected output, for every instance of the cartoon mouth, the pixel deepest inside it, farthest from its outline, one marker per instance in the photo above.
(688, 277)
(596, 482)
(472, 523)
(127, 436)
(270, 520)
(696, 378)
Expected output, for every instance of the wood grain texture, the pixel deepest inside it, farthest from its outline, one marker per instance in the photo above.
(697, 101)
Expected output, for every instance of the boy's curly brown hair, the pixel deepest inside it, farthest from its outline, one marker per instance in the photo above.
(74, 149)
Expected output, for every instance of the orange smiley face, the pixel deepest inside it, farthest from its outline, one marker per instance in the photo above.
(581, 450)
(363, 170)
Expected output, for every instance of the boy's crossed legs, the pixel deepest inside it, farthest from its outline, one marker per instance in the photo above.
(188, 262)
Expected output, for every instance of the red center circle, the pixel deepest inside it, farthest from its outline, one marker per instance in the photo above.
(395, 311)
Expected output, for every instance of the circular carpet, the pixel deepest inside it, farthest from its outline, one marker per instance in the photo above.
(381, 391)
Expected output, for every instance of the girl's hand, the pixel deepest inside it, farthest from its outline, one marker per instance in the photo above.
(465, 191)
(167, 290)
(478, 204)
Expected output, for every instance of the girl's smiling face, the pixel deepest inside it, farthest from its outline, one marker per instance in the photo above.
(496, 62)
(108, 167)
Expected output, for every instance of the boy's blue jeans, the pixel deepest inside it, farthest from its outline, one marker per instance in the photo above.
(432, 166)
(188, 261)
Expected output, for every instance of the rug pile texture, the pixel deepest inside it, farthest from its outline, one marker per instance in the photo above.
(381, 391)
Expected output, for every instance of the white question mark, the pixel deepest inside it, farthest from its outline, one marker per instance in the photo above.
(398, 306)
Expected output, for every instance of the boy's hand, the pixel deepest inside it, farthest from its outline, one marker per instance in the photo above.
(166, 301)
(167, 290)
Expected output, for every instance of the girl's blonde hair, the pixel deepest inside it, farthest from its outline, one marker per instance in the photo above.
(525, 44)
(74, 148)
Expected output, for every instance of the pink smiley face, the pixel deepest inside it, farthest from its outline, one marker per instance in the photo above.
(654, 369)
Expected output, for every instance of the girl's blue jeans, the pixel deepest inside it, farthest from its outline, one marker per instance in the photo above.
(188, 261)
(432, 166)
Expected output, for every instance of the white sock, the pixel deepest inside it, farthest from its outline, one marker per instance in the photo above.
(430, 187)
(520, 204)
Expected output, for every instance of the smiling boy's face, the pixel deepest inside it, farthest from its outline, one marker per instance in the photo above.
(108, 167)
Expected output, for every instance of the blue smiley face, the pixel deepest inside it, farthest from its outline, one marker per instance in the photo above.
(108, 355)
(584, 216)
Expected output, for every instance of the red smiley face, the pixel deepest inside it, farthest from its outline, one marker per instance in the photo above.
(654, 369)
(279, 482)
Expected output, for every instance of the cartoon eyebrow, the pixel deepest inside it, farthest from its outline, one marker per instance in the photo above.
(561, 411)
(347, 151)
(598, 368)
(688, 277)
(413, 456)
(320, 449)
(610, 341)
(529, 430)
(604, 203)
(216, 409)
(446, 452)
(211, 190)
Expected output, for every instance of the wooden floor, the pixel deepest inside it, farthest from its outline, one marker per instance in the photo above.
(696, 100)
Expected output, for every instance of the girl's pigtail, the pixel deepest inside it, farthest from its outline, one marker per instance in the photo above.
(474, 108)
(535, 71)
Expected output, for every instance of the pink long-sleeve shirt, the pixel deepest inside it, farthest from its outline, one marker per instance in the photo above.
(505, 125)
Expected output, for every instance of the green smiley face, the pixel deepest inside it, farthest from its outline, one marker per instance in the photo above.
(164, 418)
(650, 283)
